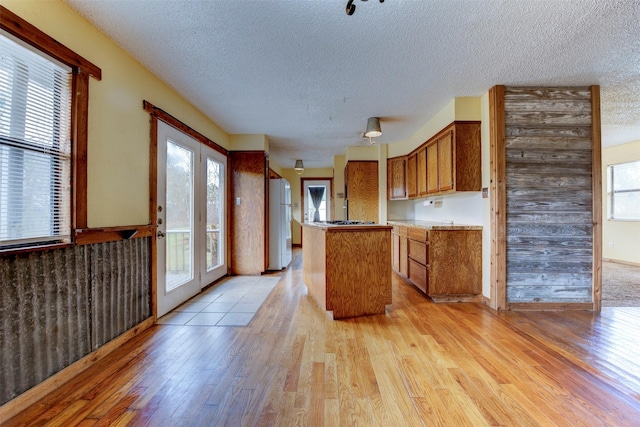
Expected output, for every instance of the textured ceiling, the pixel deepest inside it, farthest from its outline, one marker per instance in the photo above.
(308, 76)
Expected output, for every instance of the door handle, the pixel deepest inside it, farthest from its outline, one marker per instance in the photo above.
(160, 234)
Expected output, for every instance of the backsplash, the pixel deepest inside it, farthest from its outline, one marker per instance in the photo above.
(460, 207)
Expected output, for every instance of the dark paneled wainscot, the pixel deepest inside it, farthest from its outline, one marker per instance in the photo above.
(57, 306)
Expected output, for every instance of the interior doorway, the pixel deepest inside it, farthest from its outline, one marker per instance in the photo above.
(317, 200)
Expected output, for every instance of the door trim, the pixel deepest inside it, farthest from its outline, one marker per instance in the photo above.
(302, 198)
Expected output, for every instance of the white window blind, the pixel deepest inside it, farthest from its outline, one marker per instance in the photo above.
(35, 147)
(624, 191)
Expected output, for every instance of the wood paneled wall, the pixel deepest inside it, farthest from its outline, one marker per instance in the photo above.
(57, 306)
(249, 186)
(549, 222)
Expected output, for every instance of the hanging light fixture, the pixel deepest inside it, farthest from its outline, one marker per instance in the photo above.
(299, 167)
(373, 129)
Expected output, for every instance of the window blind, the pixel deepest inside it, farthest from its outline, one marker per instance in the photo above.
(624, 188)
(35, 146)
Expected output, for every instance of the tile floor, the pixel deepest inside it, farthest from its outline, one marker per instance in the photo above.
(231, 302)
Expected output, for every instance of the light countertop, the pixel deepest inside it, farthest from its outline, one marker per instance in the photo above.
(432, 225)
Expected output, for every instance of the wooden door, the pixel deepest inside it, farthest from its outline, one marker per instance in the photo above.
(422, 172)
(412, 168)
(445, 162)
(432, 167)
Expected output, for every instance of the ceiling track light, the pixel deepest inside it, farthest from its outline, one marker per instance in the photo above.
(351, 8)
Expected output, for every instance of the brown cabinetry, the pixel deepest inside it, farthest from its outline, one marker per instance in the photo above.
(361, 190)
(412, 170)
(444, 264)
(449, 161)
(397, 178)
(248, 211)
(399, 260)
(421, 174)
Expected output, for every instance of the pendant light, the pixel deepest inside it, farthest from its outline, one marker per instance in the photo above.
(373, 127)
(299, 167)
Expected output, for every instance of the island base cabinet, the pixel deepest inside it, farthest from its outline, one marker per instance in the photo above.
(347, 269)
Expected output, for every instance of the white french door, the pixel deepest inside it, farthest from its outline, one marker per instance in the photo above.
(191, 205)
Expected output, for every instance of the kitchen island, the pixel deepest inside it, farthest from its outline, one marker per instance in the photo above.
(346, 267)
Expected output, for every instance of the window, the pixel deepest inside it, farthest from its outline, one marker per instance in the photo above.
(623, 191)
(35, 146)
(44, 105)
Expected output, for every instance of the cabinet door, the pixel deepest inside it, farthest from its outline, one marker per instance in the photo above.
(412, 168)
(395, 251)
(397, 178)
(445, 162)
(422, 172)
(404, 258)
(432, 167)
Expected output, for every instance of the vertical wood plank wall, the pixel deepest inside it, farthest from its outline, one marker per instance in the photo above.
(549, 196)
(57, 306)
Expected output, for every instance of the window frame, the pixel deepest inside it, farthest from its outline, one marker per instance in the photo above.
(82, 69)
(611, 193)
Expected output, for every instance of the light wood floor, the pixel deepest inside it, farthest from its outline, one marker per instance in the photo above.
(421, 364)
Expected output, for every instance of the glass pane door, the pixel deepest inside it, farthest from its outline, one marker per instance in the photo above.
(213, 218)
(179, 215)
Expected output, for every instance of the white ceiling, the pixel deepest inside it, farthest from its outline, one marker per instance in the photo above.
(308, 76)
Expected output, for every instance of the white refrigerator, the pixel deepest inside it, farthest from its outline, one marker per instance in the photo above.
(279, 224)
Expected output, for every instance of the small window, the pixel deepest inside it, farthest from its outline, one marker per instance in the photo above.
(623, 190)
(35, 146)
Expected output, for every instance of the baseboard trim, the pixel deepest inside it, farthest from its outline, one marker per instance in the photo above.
(618, 261)
(550, 306)
(31, 396)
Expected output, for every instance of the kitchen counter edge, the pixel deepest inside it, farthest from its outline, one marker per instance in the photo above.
(432, 225)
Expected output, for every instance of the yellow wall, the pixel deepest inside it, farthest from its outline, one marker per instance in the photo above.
(241, 142)
(623, 235)
(118, 147)
(338, 187)
(461, 108)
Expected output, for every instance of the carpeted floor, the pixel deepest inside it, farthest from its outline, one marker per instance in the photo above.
(620, 285)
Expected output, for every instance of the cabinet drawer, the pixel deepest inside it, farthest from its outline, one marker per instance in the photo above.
(418, 251)
(419, 234)
(418, 275)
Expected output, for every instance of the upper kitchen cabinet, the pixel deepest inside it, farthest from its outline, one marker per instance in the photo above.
(361, 190)
(249, 202)
(458, 154)
(397, 178)
(449, 161)
(412, 172)
(421, 175)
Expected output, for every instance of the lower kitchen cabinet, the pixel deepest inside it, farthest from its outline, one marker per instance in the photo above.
(445, 264)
